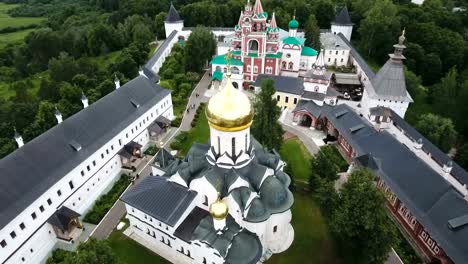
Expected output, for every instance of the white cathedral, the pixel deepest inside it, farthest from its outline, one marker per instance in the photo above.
(226, 202)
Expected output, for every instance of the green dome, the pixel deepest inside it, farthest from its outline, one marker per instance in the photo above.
(293, 24)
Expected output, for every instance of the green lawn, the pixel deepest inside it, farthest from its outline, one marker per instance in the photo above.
(7, 21)
(104, 61)
(14, 37)
(200, 133)
(312, 241)
(130, 252)
(294, 153)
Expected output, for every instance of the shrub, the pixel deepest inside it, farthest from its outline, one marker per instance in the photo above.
(105, 202)
(176, 145)
(176, 122)
(182, 136)
(151, 150)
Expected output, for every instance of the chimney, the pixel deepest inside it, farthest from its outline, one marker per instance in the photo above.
(419, 144)
(84, 100)
(19, 139)
(140, 72)
(58, 115)
(116, 82)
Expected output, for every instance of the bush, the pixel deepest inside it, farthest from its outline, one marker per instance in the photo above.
(176, 122)
(151, 150)
(104, 204)
(182, 136)
(176, 145)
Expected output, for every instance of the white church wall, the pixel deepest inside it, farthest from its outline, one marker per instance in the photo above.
(307, 62)
(222, 141)
(169, 27)
(73, 187)
(346, 30)
(338, 57)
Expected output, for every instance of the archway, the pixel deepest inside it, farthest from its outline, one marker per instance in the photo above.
(305, 120)
(253, 46)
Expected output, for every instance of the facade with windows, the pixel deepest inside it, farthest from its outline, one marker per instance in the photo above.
(60, 174)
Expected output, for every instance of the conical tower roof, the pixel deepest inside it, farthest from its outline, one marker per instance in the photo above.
(258, 8)
(343, 17)
(173, 16)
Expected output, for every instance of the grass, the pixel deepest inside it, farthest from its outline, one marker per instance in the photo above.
(104, 61)
(199, 133)
(18, 36)
(295, 154)
(8, 21)
(128, 251)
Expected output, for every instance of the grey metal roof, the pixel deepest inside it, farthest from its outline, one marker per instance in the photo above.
(345, 120)
(32, 169)
(343, 18)
(185, 230)
(164, 158)
(346, 78)
(357, 57)
(457, 171)
(427, 195)
(164, 200)
(235, 244)
(314, 95)
(331, 41)
(380, 111)
(173, 16)
(160, 51)
(389, 83)
(62, 217)
(283, 83)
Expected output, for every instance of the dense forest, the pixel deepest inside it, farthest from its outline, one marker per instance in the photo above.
(82, 44)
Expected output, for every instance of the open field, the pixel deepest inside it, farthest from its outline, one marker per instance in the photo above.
(14, 37)
(7, 21)
(294, 153)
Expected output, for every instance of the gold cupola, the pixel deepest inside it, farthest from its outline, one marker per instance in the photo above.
(230, 109)
(219, 209)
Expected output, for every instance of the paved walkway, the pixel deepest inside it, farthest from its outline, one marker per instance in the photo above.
(200, 89)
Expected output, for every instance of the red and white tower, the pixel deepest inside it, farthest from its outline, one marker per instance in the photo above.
(257, 42)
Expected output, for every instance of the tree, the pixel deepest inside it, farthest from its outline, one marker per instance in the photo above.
(312, 33)
(462, 156)
(360, 217)
(92, 251)
(63, 68)
(379, 29)
(323, 168)
(199, 48)
(413, 82)
(7, 146)
(159, 25)
(266, 117)
(325, 12)
(327, 196)
(431, 75)
(438, 130)
(126, 65)
(444, 94)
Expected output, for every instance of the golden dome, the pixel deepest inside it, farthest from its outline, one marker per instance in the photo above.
(219, 210)
(230, 109)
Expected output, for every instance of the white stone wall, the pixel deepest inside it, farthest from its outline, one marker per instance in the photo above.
(340, 57)
(169, 27)
(346, 30)
(221, 141)
(399, 107)
(81, 186)
(307, 62)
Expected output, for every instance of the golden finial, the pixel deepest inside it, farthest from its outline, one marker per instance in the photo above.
(228, 58)
(219, 209)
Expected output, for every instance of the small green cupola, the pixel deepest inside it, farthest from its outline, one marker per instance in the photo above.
(293, 24)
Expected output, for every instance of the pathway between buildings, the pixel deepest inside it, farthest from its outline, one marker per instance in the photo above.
(112, 218)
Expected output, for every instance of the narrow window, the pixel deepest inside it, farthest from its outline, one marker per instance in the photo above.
(59, 193)
(233, 142)
(34, 216)
(278, 98)
(22, 226)
(70, 183)
(120, 142)
(102, 155)
(3, 243)
(49, 201)
(295, 100)
(94, 163)
(275, 228)
(82, 173)
(286, 100)
(13, 234)
(41, 208)
(88, 168)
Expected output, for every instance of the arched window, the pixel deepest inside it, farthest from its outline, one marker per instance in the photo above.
(255, 69)
(249, 68)
(253, 46)
(275, 228)
(290, 66)
(283, 65)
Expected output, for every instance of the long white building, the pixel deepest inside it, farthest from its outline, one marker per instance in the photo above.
(47, 183)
